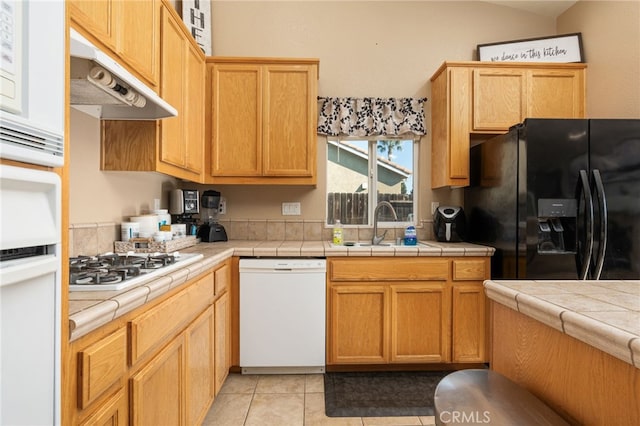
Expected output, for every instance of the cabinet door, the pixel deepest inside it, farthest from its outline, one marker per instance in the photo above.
(420, 322)
(98, 17)
(112, 413)
(359, 326)
(101, 365)
(236, 124)
(451, 118)
(172, 89)
(139, 43)
(498, 98)
(469, 310)
(289, 126)
(200, 371)
(469, 316)
(194, 116)
(222, 340)
(158, 389)
(555, 94)
(150, 329)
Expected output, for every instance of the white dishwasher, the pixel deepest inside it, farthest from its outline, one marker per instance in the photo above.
(282, 315)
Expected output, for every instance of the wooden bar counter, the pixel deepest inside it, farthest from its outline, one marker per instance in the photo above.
(573, 344)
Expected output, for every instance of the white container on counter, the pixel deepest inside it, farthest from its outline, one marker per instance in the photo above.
(148, 224)
(164, 218)
(129, 230)
(179, 230)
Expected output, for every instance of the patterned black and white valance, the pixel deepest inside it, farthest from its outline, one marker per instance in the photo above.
(371, 116)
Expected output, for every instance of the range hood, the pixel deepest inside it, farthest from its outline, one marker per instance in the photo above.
(104, 89)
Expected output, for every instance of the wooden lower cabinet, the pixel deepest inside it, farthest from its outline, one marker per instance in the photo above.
(200, 337)
(359, 326)
(407, 311)
(101, 365)
(469, 323)
(161, 364)
(158, 389)
(222, 309)
(420, 326)
(115, 412)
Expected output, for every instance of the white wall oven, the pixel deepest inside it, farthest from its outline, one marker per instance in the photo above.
(32, 82)
(29, 296)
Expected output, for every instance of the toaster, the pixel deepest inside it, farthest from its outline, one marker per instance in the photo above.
(449, 224)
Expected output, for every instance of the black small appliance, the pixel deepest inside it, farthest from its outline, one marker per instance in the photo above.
(210, 231)
(449, 224)
(183, 204)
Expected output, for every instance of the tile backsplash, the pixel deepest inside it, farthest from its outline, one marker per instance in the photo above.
(95, 238)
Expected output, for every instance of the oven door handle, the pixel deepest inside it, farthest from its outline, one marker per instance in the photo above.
(27, 269)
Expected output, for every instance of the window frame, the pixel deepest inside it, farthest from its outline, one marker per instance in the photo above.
(372, 179)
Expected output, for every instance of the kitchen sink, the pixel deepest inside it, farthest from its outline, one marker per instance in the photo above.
(353, 244)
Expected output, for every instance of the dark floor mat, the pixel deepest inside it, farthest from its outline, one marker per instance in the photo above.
(381, 394)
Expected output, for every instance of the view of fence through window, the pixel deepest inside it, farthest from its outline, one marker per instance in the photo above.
(358, 168)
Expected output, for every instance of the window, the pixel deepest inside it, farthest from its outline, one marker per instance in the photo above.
(363, 172)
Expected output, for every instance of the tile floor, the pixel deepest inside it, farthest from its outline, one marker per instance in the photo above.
(285, 400)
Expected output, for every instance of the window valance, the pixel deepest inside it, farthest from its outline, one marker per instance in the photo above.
(371, 116)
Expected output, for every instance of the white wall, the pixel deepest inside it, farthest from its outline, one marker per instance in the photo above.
(611, 38)
(97, 196)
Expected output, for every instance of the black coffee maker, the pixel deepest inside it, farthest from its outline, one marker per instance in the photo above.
(210, 230)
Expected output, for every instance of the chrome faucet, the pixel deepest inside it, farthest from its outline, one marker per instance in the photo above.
(375, 240)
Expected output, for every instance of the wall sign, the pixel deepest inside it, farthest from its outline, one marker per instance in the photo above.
(196, 14)
(561, 48)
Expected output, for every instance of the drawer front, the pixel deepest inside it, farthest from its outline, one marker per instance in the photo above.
(161, 322)
(222, 278)
(101, 365)
(466, 270)
(391, 269)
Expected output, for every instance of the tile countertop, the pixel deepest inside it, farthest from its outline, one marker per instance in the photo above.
(89, 310)
(603, 314)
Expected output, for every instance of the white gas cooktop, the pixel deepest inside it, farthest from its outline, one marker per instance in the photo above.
(83, 278)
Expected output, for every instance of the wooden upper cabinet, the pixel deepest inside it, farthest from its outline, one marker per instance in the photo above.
(498, 98)
(194, 110)
(98, 17)
(481, 99)
(236, 101)
(172, 89)
(503, 97)
(556, 93)
(138, 44)
(175, 145)
(290, 104)
(262, 121)
(130, 30)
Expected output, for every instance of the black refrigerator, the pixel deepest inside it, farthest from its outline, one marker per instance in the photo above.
(559, 199)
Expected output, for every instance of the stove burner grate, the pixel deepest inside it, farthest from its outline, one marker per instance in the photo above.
(111, 268)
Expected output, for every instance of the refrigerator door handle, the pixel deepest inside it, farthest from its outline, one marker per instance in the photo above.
(583, 190)
(604, 221)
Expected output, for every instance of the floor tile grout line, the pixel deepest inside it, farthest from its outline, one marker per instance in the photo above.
(253, 394)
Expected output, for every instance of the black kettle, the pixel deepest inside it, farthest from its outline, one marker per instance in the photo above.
(449, 224)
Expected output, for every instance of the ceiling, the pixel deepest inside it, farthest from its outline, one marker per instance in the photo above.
(550, 8)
